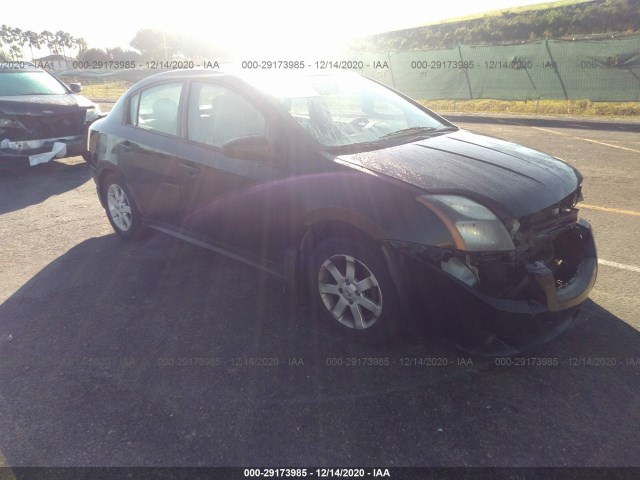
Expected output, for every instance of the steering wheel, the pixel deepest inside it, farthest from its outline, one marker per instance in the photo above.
(361, 122)
(364, 123)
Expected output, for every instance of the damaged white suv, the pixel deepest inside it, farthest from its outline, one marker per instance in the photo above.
(41, 118)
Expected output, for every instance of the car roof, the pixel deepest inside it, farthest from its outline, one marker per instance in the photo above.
(180, 75)
(250, 77)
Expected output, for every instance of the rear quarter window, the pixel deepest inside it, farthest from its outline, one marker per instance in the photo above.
(132, 112)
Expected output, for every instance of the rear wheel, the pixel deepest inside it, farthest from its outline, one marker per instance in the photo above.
(350, 286)
(121, 210)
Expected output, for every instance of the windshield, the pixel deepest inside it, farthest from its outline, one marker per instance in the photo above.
(350, 110)
(29, 83)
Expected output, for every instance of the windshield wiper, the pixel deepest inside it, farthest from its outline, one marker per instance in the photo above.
(417, 131)
(409, 131)
(357, 147)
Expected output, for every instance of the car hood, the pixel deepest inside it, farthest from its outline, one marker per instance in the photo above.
(43, 104)
(512, 180)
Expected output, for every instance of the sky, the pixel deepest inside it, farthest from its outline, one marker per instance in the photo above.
(259, 28)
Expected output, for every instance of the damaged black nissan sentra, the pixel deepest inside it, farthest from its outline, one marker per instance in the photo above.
(40, 117)
(378, 209)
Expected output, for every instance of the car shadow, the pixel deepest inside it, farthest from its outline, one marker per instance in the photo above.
(573, 123)
(160, 353)
(30, 186)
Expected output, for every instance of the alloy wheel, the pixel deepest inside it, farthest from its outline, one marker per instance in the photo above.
(350, 292)
(119, 207)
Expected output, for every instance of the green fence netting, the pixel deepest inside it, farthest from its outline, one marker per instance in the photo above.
(597, 70)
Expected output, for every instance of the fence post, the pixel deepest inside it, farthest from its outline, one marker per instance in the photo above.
(555, 69)
(393, 79)
(466, 73)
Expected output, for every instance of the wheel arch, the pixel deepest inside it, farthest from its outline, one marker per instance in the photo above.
(335, 222)
(341, 223)
(104, 172)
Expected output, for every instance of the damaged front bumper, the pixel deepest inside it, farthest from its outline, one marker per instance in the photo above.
(482, 323)
(35, 152)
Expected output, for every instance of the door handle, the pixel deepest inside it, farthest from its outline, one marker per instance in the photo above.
(126, 147)
(191, 170)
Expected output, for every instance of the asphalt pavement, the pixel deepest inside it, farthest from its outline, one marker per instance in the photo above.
(159, 353)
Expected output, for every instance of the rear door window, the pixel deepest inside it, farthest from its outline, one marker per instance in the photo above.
(158, 108)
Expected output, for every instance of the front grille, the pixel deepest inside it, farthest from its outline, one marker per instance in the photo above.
(560, 215)
(554, 240)
(552, 225)
(549, 236)
(541, 237)
(51, 126)
(569, 251)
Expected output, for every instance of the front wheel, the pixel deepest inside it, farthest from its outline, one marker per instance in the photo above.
(350, 285)
(121, 210)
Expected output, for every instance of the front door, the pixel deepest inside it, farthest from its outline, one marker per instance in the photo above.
(228, 201)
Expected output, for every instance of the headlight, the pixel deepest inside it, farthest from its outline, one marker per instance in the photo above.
(9, 123)
(473, 227)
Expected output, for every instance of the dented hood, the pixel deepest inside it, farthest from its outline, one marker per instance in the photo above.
(35, 105)
(512, 180)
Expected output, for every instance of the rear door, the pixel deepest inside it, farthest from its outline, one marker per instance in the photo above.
(148, 155)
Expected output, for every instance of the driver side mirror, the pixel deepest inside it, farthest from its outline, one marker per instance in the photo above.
(75, 87)
(252, 147)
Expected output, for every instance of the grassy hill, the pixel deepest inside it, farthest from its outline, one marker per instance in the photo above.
(565, 18)
(513, 11)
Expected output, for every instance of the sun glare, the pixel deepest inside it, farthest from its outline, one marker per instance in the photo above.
(289, 30)
(276, 30)
(292, 29)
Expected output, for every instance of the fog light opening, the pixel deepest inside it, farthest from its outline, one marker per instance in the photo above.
(460, 270)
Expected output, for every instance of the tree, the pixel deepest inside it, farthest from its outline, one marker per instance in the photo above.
(118, 54)
(93, 55)
(152, 44)
(49, 39)
(6, 37)
(33, 40)
(81, 44)
(14, 53)
(63, 40)
(20, 39)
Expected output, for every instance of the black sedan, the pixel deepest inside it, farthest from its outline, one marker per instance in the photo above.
(40, 117)
(377, 209)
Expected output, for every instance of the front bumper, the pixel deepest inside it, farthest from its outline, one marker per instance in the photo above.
(483, 324)
(34, 152)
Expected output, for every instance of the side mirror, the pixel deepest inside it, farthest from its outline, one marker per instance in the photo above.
(252, 147)
(75, 87)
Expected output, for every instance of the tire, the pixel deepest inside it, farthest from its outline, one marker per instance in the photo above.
(350, 287)
(121, 210)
